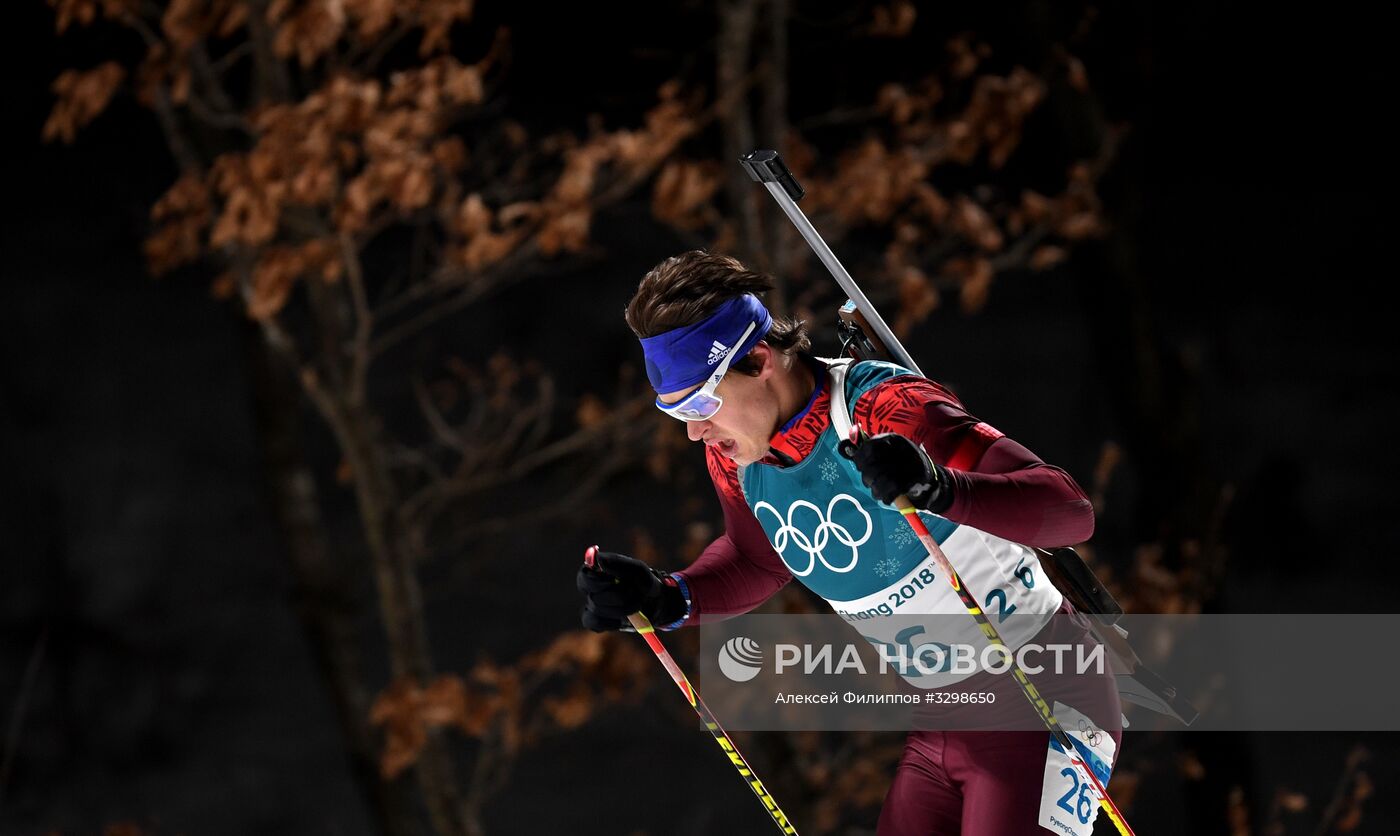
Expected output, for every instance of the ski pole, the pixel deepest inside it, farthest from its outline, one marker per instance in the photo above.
(642, 625)
(969, 600)
(768, 168)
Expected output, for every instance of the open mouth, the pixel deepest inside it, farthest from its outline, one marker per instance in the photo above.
(727, 448)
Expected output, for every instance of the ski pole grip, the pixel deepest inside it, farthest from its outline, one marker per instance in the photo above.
(768, 167)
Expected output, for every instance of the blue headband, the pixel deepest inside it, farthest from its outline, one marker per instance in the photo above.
(686, 356)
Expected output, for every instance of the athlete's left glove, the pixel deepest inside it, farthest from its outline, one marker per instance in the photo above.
(891, 464)
(617, 586)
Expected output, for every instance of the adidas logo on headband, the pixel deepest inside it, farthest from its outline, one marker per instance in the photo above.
(717, 352)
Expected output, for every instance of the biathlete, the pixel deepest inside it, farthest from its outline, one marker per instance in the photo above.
(772, 418)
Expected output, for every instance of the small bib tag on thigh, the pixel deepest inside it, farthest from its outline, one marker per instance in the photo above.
(1068, 803)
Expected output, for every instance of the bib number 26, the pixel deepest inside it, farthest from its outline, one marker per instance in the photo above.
(1078, 795)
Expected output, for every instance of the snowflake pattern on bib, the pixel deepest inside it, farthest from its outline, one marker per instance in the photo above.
(902, 536)
(887, 568)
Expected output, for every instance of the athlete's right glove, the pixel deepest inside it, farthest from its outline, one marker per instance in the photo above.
(617, 586)
(891, 464)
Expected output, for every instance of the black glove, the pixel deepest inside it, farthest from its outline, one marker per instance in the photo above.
(618, 586)
(891, 464)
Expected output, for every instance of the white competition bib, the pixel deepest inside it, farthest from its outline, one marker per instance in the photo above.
(1012, 588)
(1068, 802)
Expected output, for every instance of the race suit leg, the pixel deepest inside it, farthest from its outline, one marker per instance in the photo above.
(922, 801)
(968, 784)
(992, 782)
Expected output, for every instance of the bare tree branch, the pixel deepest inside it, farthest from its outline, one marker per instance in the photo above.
(209, 80)
(364, 320)
(441, 429)
(21, 703)
(222, 120)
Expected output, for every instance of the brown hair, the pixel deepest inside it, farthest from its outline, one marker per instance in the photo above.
(686, 288)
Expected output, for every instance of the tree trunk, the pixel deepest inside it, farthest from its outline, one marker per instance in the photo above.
(323, 590)
(401, 609)
(776, 231)
(400, 595)
(736, 25)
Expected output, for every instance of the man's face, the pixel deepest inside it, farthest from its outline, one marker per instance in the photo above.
(743, 426)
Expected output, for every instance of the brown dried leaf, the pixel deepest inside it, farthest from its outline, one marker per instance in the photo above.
(224, 286)
(309, 32)
(1080, 226)
(444, 702)
(872, 182)
(523, 211)
(181, 216)
(1364, 787)
(575, 183)
(437, 17)
(273, 278)
(961, 142)
(566, 232)
(233, 20)
(895, 20)
(371, 17)
(591, 411)
(410, 185)
(407, 711)
(450, 155)
(252, 202)
(917, 299)
(974, 223)
(1348, 821)
(1037, 207)
(568, 651)
(473, 217)
(82, 96)
(484, 246)
(83, 12)
(570, 711)
(974, 277)
(963, 59)
(1191, 767)
(463, 85)
(1047, 256)
(396, 709)
(931, 202)
(68, 12)
(314, 184)
(357, 200)
(682, 191)
(489, 248)
(182, 23)
(1237, 813)
(1292, 802)
(894, 100)
(666, 125)
(1078, 77)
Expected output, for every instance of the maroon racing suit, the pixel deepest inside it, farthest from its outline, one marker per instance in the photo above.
(974, 783)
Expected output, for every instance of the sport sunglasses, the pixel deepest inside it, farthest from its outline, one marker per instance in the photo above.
(703, 403)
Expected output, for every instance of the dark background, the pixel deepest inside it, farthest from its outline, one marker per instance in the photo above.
(174, 688)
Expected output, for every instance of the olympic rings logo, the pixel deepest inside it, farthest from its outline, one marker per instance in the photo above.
(1091, 734)
(826, 531)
